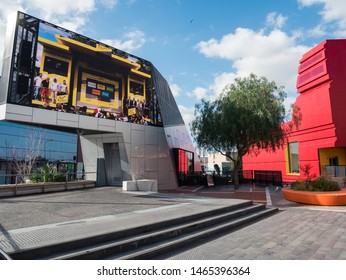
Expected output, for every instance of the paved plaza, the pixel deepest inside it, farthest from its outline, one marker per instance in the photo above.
(296, 232)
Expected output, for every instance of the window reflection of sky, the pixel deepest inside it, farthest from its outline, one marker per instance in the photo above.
(48, 32)
(56, 145)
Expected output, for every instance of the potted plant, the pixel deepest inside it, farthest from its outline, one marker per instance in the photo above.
(316, 191)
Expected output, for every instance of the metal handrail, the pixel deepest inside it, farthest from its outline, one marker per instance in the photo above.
(336, 170)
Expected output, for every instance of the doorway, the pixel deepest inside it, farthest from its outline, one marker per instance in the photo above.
(333, 161)
(113, 165)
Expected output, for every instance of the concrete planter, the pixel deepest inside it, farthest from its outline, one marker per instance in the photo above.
(334, 198)
(145, 185)
(36, 188)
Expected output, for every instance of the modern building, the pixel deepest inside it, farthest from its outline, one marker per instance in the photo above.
(120, 106)
(320, 140)
(210, 159)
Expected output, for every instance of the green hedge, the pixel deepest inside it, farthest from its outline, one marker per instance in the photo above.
(321, 184)
(47, 173)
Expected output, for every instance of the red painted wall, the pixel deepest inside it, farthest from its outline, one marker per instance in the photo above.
(321, 84)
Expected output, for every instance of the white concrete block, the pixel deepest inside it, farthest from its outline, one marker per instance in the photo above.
(147, 185)
(130, 186)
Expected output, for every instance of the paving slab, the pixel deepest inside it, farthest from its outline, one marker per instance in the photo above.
(48, 219)
(297, 232)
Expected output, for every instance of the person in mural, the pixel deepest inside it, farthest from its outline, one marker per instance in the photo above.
(133, 102)
(45, 89)
(37, 86)
(63, 88)
(54, 87)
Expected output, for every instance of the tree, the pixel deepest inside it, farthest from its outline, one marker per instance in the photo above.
(24, 160)
(247, 115)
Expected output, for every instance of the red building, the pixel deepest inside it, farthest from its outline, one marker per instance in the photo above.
(320, 139)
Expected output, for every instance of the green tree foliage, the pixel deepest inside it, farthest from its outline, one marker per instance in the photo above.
(247, 115)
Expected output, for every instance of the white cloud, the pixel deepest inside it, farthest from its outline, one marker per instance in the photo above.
(132, 41)
(317, 31)
(176, 90)
(73, 24)
(274, 55)
(69, 14)
(6, 8)
(110, 3)
(72, 15)
(187, 114)
(334, 11)
(54, 8)
(221, 80)
(199, 93)
(9, 6)
(276, 20)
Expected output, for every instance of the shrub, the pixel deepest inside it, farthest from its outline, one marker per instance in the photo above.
(321, 184)
(298, 186)
(47, 173)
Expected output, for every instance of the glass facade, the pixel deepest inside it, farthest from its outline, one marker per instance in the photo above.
(18, 142)
(184, 162)
(169, 110)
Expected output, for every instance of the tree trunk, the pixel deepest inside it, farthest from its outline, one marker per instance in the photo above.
(236, 174)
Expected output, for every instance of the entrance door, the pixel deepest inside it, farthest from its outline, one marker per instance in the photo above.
(112, 161)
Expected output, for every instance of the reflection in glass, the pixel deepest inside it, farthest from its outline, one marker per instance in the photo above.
(293, 157)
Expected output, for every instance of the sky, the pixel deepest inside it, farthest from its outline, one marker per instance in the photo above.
(200, 46)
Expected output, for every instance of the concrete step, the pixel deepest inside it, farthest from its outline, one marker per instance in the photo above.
(159, 235)
(153, 239)
(151, 252)
(167, 219)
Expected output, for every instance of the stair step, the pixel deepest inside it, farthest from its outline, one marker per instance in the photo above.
(55, 249)
(151, 239)
(150, 252)
(134, 242)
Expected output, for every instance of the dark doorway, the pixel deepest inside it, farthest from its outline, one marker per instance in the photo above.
(113, 165)
(334, 161)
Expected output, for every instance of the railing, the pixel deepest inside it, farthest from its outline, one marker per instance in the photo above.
(268, 177)
(16, 179)
(265, 177)
(336, 171)
(8, 190)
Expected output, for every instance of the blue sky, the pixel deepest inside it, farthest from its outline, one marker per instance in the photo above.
(200, 46)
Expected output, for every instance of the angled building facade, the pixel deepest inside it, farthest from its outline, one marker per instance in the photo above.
(128, 123)
(320, 140)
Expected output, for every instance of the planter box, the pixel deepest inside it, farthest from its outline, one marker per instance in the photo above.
(144, 185)
(130, 186)
(147, 185)
(335, 198)
(36, 188)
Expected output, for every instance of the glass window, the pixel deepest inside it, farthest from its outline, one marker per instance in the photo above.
(293, 157)
(55, 66)
(15, 141)
(136, 88)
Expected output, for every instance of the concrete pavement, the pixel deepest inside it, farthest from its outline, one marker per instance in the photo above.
(297, 232)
